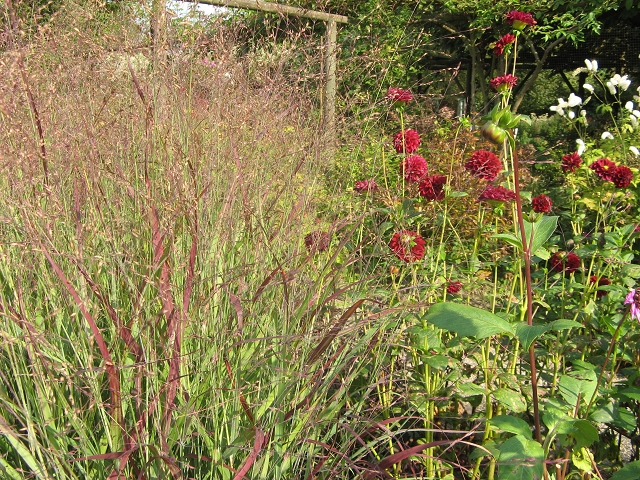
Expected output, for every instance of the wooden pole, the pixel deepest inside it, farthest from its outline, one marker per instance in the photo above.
(275, 8)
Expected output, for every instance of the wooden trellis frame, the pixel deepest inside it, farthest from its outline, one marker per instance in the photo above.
(330, 42)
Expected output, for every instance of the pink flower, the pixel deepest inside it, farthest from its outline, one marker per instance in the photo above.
(541, 204)
(407, 141)
(414, 167)
(399, 95)
(633, 298)
(519, 20)
(604, 168)
(571, 162)
(622, 176)
(365, 185)
(503, 82)
(564, 262)
(496, 194)
(432, 187)
(484, 164)
(454, 287)
(503, 42)
(407, 245)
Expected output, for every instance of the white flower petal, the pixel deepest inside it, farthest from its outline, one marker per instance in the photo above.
(635, 151)
(581, 146)
(589, 87)
(611, 87)
(574, 100)
(625, 83)
(588, 64)
(629, 106)
(636, 113)
(571, 114)
(594, 65)
(583, 113)
(606, 135)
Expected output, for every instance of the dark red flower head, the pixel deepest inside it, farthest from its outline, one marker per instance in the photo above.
(484, 164)
(365, 185)
(496, 193)
(564, 262)
(622, 176)
(432, 187)
(519, 20)
(503, 82)
(571, 162)
(407, 143)
(541, 204)
(399, 95)
(414, 167)
(503, 42)
(407, 245)
(317, 241)
(454, 287)
(604, 168)
(600, 282)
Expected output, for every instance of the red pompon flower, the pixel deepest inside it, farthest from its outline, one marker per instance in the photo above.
(503, 42)
(399, 95)
(414, 167)
(541, 204)
(407, 143)
(365, 185)
(317, 241)
(571, 162)
(432, 187)
(600, 282)
(407, 245)
(604, 168)
(622, 176)
(484, 164)
(519, 20)
(454, 287)
(497, 194)
(564, 262)
(503, 82)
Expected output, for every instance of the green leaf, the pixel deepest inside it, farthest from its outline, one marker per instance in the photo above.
(631, 471)
(585, 433)
(511, 399)
(542, 231)
(564, 324)
(577, 385)
(470, 389)
(520, 459)
(467, 321)
(510, 424)
(582, 459)
(438, 362)
(527, 334)
(509, 238)
(631, 393)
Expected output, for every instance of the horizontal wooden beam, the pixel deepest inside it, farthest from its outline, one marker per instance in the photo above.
(274, 8)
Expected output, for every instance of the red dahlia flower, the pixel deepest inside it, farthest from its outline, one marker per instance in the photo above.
(622, 176)
(317, 241)
(399, 95)
(519, 20)
(567, 262)
(600, 282)
(432, 187)
(407, 143)
(407, 245)
(604, 168)
(454, 287)
(503, 82)
(414, 167)
(503, 42)
(484, 164)
(541, 204)
(365, 185)
(497, 194)
(571, 162)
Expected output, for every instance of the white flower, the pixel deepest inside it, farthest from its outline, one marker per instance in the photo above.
(629, 106)
(592, 65)
(606, 135)
(634, 121)
(589, 87)
(571, 114)
(635, 151)
(611, 87)
(562, 103)
(624, 83)
(583, 113)
(574, 100)
(557, 109)
(636, 113)
(581, 146)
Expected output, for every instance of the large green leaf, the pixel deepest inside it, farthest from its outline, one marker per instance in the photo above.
(631, 471)
(511, 399)
(542, 231)
(520, 459)
(467, 321)
(510, 424)
(577, 385)
(527, 334)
